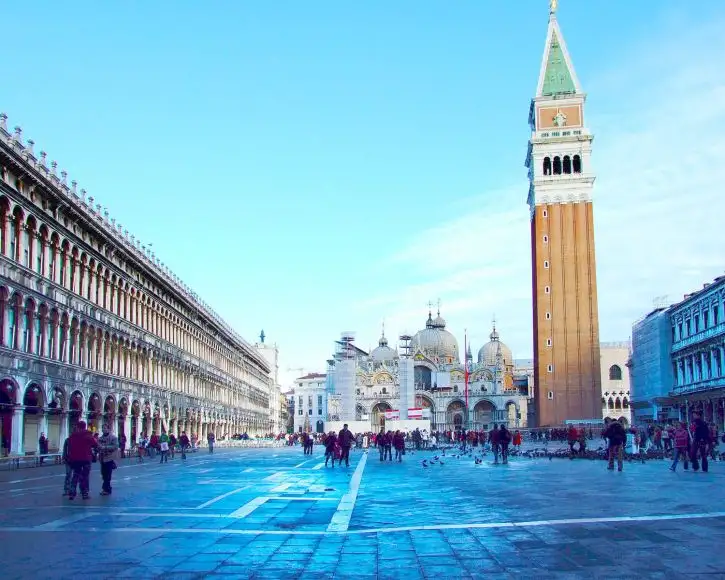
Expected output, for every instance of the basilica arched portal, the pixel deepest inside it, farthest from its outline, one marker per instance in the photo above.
(377, 416)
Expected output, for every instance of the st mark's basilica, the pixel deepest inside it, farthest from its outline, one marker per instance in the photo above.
(439, 379)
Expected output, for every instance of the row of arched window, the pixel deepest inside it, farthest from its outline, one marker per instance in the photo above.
(562, 165)
(49, 333)
(33, 245)
(616, 403)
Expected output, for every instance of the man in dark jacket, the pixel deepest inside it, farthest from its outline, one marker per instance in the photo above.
(504, 439)
(345, 439)
(700, 443)
(617, 437)
(81, 445)
(493, 437)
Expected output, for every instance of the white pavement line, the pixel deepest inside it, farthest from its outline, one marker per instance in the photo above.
(288, 498)
(248, 507)
(319, 465)
(301, 464)
(281, 487)
(248, 470)
(341, 518)
(221, 497)
(227, 531)
(55, 524)
(275, 476)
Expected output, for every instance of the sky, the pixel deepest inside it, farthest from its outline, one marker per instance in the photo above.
(316, 167)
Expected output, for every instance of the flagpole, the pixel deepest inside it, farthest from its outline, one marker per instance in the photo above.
(465, 374)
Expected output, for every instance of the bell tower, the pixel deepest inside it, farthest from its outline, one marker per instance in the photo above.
(566, 321)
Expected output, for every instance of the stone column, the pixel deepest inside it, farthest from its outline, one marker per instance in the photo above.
(18, 434)
(7, 221)
(63, 429)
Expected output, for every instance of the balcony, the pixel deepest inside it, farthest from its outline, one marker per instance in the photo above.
(702, 336)
(700, 386)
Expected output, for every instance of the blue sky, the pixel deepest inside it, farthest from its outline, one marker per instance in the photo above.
(313, 167)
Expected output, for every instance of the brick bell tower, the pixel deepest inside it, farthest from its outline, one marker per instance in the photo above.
(566, 321)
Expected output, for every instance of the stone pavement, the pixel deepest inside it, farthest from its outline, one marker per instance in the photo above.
(274, 513)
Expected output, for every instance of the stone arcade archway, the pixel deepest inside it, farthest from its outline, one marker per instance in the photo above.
(33, 404)
(377, 416)
(483, 415)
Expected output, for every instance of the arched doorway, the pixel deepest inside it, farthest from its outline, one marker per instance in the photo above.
(377, 416)
(33, 402)
(109, 412)
(320, 428)
(121, 421)
(483, 415)
(424, 403)
(455, 416)
(75, 410)
(7, 405)
(94, 413)
(56, 407)
(135, 414)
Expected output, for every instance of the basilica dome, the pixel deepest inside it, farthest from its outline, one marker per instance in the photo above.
(488, 352)
(383, 353)
(434, 341)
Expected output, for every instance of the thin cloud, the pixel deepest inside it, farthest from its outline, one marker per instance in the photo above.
(658, 212)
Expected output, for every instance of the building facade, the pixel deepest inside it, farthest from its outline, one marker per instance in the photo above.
(310, 403)
(697, 332)
(270, 353)
(650, 368)
(439, 382)
(615, 381)
(96, 328)
(566, 324)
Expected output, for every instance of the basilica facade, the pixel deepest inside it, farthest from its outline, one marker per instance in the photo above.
(439, 379)
(95, 328)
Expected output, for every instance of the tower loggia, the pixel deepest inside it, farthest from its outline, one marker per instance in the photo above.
(566, 324)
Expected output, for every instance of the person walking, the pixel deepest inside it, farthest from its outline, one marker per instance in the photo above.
(172, 445)
(504, 439)
(681, 437)
(494, 438)
(330, 442)
(184, 444)
(617, 436)
(68, 468)
(210, 439)
(107, 455)
(81, 445)
(345, 438)
(399, 444)
(164, 447)
(42, 447)
(700, 443)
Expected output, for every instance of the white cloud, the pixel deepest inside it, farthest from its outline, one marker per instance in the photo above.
(659, 153)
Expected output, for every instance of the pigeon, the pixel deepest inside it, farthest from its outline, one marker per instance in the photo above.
(425, 463)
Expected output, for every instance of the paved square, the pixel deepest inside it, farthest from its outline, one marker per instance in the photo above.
(275, 513)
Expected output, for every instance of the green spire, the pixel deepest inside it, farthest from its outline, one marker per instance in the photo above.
(557, 79)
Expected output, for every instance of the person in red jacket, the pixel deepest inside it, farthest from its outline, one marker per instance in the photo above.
(81, 446)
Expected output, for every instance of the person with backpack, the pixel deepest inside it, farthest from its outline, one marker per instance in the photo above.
(681, 437)
(617, 437)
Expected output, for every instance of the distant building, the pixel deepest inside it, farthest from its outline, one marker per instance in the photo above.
(270, 353)
(650, 367)
(697, 333)
(615, 381)
(310, 403)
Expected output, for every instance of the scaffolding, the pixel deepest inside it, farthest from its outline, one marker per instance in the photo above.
(346, 354)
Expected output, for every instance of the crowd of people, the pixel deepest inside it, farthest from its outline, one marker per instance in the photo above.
(694, 443)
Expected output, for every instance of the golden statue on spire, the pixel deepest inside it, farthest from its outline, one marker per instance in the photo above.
(553, 5)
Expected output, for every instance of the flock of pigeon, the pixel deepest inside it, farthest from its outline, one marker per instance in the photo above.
(459, 453)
